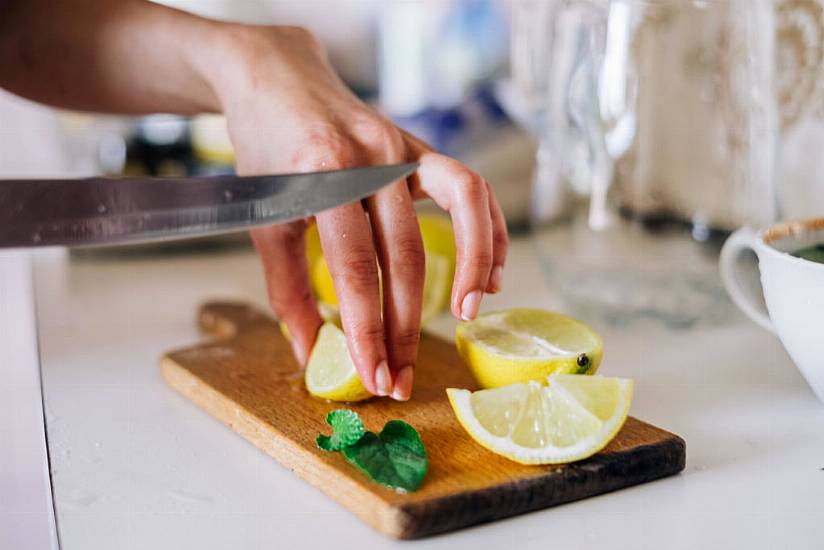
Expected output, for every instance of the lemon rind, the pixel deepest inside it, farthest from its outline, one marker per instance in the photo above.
(511, 367)
(342, 391)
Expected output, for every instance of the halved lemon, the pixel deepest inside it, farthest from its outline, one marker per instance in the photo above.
(521, 345)
(571, 418)
(330, 372)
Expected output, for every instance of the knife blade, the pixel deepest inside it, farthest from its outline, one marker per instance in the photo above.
(104, 211)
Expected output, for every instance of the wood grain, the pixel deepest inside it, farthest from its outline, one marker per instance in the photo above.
(246, 377)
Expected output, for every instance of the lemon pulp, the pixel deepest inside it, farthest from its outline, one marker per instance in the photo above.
(570, 418)
(521, 345)
(330, 371)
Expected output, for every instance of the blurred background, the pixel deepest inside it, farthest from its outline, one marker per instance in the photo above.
(708, 115)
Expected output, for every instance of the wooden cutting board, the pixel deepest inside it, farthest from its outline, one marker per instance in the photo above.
(246, 377)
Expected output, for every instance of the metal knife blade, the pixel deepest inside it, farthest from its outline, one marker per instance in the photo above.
(103, 211)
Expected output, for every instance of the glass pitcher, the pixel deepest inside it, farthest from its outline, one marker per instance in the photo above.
(660, 109)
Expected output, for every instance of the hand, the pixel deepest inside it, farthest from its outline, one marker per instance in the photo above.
(287, 111)
(304, 119)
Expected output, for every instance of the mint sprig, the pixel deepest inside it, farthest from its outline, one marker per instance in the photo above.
(395, 458)
(347, 429)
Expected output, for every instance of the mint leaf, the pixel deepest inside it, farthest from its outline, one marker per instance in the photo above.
(347, 429)
(395, 458)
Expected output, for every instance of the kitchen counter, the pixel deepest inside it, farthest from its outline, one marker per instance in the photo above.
(135, 465)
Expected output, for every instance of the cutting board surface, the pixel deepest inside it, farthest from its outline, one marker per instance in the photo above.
(246, 377)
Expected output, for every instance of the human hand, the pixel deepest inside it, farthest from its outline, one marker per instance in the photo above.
(289, 112)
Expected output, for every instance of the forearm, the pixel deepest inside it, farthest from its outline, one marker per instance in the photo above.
(124, 56)
(132, 56)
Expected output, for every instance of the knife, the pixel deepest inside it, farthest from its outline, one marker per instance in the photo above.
(103, 211)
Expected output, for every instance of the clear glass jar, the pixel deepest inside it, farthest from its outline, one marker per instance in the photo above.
(660, 109)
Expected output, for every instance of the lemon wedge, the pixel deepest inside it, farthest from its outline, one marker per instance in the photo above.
(330, 372)
(523, 345)
(439, 248)
(571, 418)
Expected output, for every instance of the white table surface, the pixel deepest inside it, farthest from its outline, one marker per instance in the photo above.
(26, 508)
(135, 465)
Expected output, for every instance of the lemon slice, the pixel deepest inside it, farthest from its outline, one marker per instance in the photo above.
(522, 345)
(571, 418)
(330, 372)
(439, 248)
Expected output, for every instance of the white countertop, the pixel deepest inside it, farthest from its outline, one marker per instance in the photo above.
(135, 465)
(26, 507)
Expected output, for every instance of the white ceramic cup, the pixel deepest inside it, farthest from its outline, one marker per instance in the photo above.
(793, 290)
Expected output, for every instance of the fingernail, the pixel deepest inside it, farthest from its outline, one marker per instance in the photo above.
(383, 380)
(496, 278)
(470, 305)
(403, 384)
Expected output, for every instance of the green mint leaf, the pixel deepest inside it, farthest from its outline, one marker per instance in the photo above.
(324, 443)
(347, 429)
(395, 458)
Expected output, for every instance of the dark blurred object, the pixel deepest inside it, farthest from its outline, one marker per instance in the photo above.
(160, 146)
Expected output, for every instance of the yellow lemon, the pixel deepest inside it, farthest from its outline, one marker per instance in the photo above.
(330, 372)
(438, 242)
(521, 345)
(571, 418)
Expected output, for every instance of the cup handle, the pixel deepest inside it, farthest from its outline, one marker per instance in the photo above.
(741, 240)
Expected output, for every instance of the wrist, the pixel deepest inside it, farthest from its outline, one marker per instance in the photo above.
(243, 63)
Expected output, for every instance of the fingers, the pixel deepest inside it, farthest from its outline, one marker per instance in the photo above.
(383, 337)
(282, 249)
(466, 197)
(349, 251)
(401, 254)
(419, 189)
